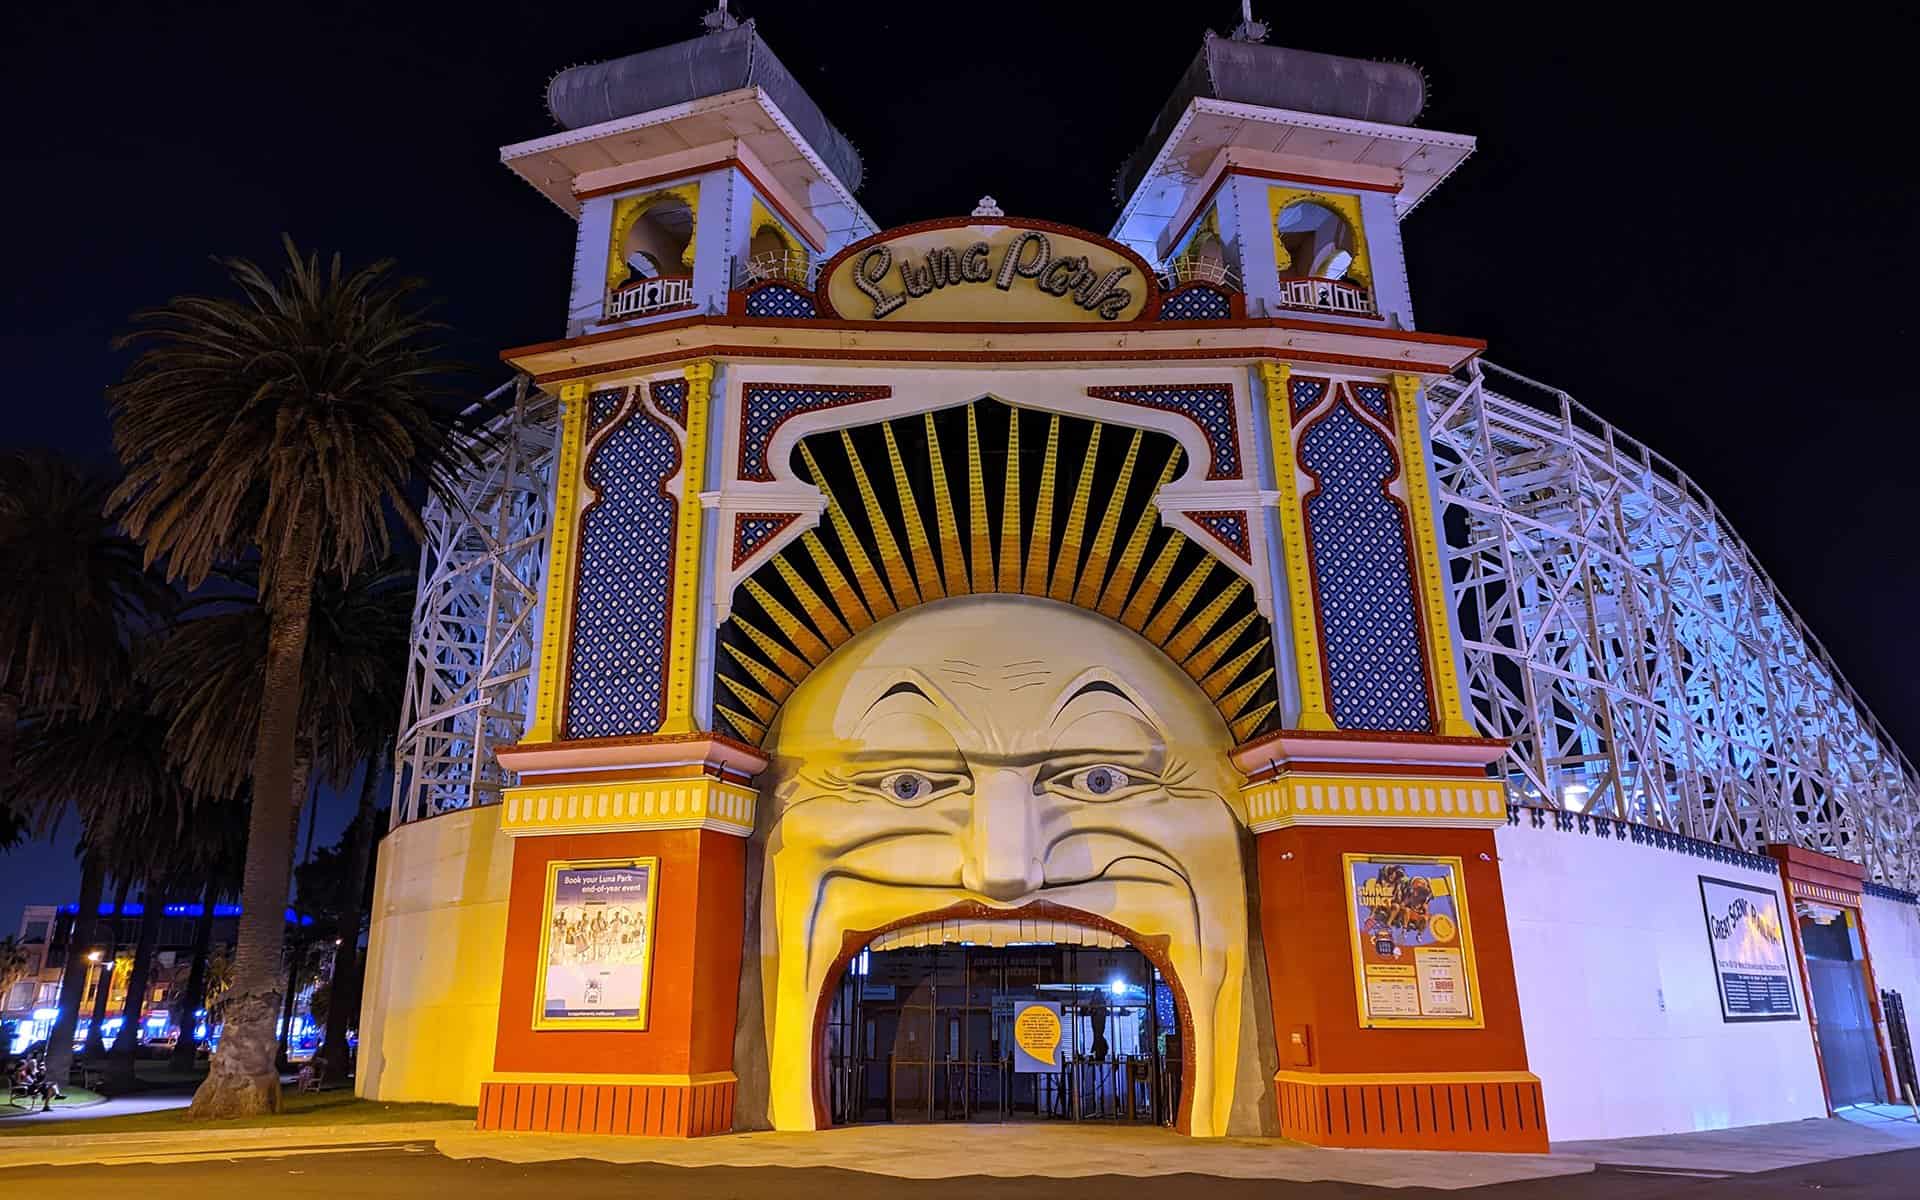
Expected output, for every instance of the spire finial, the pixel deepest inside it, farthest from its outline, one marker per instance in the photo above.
(988, 207)
(1249, 30)
(719, 20)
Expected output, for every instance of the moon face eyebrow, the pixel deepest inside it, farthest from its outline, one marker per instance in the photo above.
(1096, 687)
(903, 688)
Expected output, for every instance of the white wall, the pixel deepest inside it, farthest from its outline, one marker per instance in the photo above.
(1619, 998)
(432, 999)
(1893, 941)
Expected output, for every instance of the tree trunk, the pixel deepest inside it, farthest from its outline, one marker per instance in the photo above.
(303, 801)
(185, 1049)
(96, 1036)
(344, 1001)
(280, 1061)
(74, 979)
(120, 1067)
(9, 738)
(242, 1080)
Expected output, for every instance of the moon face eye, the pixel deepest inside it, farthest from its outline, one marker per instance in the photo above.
(907, 787)
(1100, 781)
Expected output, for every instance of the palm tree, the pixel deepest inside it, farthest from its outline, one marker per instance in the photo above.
(285, 424)
(15, 963)
(72, 588)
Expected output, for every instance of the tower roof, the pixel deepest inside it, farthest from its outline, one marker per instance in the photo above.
(710, 65)
(1305, 81)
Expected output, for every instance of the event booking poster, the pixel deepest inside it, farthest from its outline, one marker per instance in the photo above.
(1413, 950)
(1750, 959)
(597, 939)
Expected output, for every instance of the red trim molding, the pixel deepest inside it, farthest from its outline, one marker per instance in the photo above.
(684, 1110)
(1502, 1112)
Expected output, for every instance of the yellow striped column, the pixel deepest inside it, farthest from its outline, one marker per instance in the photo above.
(1308, 671)
(688, 557)
(1433, 587)
(557, 609)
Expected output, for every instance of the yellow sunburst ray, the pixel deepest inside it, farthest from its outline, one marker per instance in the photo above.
(905, 592)
(1178, 606)
(1114, 595)
(928, 575)
(978, 533)
(762, 706)
(1200, 663)
(1195, 627)
(953, 566)
(1009, 549)
(790, 626)
(830, 625)
(1146, 597)
(1034, 581)
(784, 660)
(1244, 727)
(1087, 593)
(751, 731)
(874, 592)
(1217, 682)
(1067, 562)
(777, 686)
(1237, 699)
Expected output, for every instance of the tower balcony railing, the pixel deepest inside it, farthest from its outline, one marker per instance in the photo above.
(1186, 269)
(1325, 295)
(643, 296)
(787, 266)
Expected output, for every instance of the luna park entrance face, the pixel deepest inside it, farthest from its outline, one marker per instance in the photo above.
(927, 1033)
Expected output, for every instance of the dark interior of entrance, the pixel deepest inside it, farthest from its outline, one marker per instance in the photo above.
(1849, 1043)
(927, 1034)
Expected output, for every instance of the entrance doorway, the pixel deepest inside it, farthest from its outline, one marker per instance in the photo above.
(1843, 1014)
(926, 1033)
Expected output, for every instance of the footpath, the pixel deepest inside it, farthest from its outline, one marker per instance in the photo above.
(938, 1152)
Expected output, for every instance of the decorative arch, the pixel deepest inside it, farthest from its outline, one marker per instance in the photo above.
(760, 219)
(1344, 205)
(986, 497)
(629, 209)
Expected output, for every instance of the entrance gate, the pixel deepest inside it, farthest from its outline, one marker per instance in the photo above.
(925, 1033)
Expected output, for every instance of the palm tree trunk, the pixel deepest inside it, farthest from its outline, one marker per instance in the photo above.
(96, 1037)
(280, 1061)
(196, 995)
(74, 978)
(344, 992)
(243, 1081)
(120, 1068)
(9, 736)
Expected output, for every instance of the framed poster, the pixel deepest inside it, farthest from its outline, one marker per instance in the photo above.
(1751, 962)
(1412, 942)
(596, 944)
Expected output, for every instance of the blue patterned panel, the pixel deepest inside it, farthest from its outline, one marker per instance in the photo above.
(600, 408)
(1196, 302)
(1210, 406)
(1230, 526)
(1356, 535)
(616, 676)
(1373, 397)
(779, 300)
(1307, 392)
(765, 407)
(752, 530)
(670, 397)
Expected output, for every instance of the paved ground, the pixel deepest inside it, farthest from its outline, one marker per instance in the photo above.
(414, 1169)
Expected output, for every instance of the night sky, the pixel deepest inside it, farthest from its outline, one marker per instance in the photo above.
(1693, 226)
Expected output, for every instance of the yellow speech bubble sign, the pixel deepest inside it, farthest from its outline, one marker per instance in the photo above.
(1036, 1030)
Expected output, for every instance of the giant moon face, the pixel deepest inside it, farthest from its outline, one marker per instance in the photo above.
(1000, 751)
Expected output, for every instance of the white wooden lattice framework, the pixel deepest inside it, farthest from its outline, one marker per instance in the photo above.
(475, 616)
(1624, 638)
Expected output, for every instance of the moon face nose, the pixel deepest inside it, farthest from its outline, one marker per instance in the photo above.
(1002, 861)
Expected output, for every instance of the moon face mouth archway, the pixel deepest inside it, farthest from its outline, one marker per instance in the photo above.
(973, 915)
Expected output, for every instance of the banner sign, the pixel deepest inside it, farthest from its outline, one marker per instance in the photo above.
(1036, 1037)
(1750, 957)
(1412, 944)
(596, 944)
(974, 270)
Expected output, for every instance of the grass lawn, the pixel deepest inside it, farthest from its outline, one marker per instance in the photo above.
(71, 1097)
(322, 1108)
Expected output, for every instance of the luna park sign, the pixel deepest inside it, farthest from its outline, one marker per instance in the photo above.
(987, 270)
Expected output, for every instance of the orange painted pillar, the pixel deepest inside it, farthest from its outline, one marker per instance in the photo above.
(667, 1072)
(1363, 1060)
